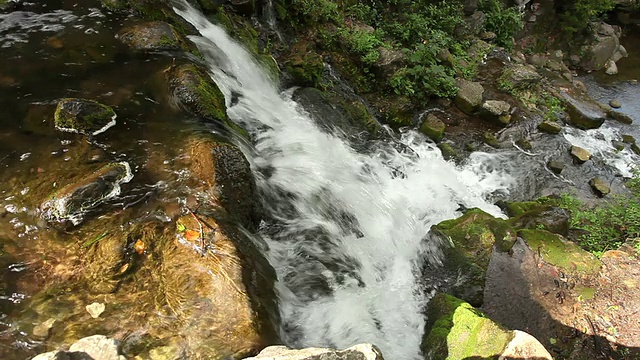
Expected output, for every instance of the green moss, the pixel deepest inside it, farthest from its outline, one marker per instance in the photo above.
(560, 252)
(304, 64)
(462, 332)
(448, 152)
(82, 115)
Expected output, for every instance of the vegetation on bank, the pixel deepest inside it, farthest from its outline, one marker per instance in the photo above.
(608, 226)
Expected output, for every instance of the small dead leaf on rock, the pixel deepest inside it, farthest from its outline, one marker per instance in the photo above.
(192, 235)
(139, 247)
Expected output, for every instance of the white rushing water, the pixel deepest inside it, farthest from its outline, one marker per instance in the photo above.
(349, 229)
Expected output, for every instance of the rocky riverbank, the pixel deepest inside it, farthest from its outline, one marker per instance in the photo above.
(130, 210)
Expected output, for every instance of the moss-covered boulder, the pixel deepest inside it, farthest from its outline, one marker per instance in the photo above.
(538, 215)
(151, 36)
(433, 127)
(560, 252)
(455, 330)
(83, 116)
(73, 201)
(583, 112)
(194, 90)
(304, 64)
(472, 238)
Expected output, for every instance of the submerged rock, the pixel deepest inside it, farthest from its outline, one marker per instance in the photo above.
(83, 116)
(151, 36)
(97, 347)
(72, 201)
(469, 97)
(356, 352)
(458, 331)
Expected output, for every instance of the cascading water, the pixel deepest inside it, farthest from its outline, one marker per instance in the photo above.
(347, 231)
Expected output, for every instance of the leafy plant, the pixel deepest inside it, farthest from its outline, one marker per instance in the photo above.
(575, 15)
(502, 20)
(608, 226)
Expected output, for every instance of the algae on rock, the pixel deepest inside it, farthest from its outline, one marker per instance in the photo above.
(83, 116)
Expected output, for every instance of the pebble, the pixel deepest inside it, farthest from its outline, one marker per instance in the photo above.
(95, 309)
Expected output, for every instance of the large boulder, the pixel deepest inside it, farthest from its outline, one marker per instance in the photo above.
(603, 46)
(469, 96)
(356, 352)
(83, 116)
(473, 238)
(151, 36)
(458, 331)
(74, 200)
(583, 112)
(97, 347)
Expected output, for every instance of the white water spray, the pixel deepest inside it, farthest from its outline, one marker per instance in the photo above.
(349, 230)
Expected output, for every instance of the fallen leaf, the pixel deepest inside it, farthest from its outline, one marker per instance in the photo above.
(192, 235)
(139, 246)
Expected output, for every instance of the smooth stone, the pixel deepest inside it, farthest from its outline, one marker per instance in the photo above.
(615, 104)
(579, 154)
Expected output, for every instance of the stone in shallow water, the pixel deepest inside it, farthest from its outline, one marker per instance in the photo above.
(95, 309)
(72, 201)
(83, 116)
(579, 154)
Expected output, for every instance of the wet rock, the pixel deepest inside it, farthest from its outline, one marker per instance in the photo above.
(458, 331)
(306, 66)
(448, 152)
(219, 287)
(536, 215)
(220, 170)
(390, 61)
(473, 237)
(244, 7)
(520, 76)
(151, 36)
(603, 46)
(555, 166)
(490, 139)
(42, 330)
(579, 154)
(618, 145)
(583, 112)
(558, 251)
(620, 117)
(550, 127)
(98, 347)
(628, 139)
(356, 352)
(496, 110)
(83, 116)
(469, 97)
(433, 127)
(95, 309)
(193, 89)
(635, 148)
(599, 186)
(73, 201)
(615, 104)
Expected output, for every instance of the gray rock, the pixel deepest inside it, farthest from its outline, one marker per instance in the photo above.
(583, 112)
(601, 50)
(537, 60)
(611, 68)
(599, 187)
(620, 117)
(83, 116)
(496, 110)
(555, 166)
(550, 127)
(520, 76)
(357, 352)
(579, 154)
(469, 97)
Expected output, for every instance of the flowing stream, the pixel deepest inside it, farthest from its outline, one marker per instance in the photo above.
(347, 230)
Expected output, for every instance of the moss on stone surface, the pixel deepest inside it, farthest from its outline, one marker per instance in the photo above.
(558, 251)
(82, 115)
(462, 332)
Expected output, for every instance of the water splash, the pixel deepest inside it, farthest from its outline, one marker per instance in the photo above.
(348, 230)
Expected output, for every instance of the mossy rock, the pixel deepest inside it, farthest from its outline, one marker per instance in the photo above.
(152, 36)
(433, 127)
(304, 64)
(560, 252)
(152, 10)
(83, 116)
(538, 215)
(458, 331)
(472, 238)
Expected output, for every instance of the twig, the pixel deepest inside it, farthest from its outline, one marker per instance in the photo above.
(593, 329)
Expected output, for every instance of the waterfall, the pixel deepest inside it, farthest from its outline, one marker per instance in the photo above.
(346, 231)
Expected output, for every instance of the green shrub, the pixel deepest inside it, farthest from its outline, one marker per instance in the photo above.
(503, 21)
(575, 15)
(362, 43)
(608, 226)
